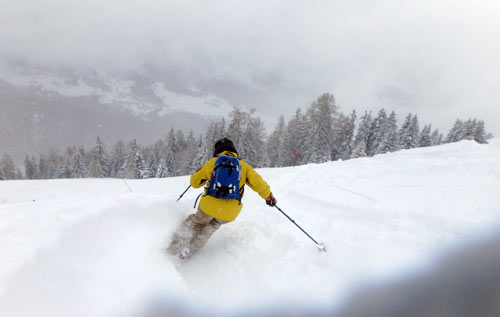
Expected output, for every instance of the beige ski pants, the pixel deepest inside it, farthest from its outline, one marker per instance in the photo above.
(193, 234)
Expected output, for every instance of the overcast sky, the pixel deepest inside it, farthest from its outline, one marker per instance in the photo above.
(439, 59)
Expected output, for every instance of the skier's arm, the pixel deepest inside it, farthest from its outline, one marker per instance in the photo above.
(203, 174)
(256, 182)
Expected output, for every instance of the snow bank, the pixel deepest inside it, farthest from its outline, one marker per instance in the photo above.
(90, 247)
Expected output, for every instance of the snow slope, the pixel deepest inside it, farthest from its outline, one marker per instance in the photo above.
(90, 247)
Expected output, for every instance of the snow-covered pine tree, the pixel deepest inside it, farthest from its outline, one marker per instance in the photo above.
(377, 133)
(287, 147)
(166, 163)
(389, 142)
(30, 168)
(214, 132)
(65, 167)
(154, 158)
(425, 136)
(191, 155)
(254, 140)
(456, 133)
(359, 149)
(296, 134)
(469, 129)
(77, 165)
(127, 170)
(179, 153)
(274, 144)
(42, 166)
(415, 132)
(152, 164)
(54, 164)
(99, 166)
(320, 115)
(480, 132)
(342, 135)
(2, 174)
(409, 133)
(140, 168)
(117, 159)
(362, 135)
(436, 137)
(236, 130)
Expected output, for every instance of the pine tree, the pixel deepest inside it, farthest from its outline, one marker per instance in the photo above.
(274, 144)
(436, 137)
(359, 149)
(117, 159)
(389, 142)
(409, 134)
(54, 165)
(77, 167)
(320, 115)
(236, 130)
(2, 174)
(377, 133)
(198, 159)
(65, 166)
(190, 156)
(344, 135)
(99, 165)
(140, 168)
(362, 135)
(295, 140)
(154, 158)
(480, 133)
(254, 141)
(425, 136)
(469, 129)
(30, 168)
(127, 170)
(214, 132)
(42, 167)
(456, 133)
(166, 165)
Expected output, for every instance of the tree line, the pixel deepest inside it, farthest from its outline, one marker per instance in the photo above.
(319, 134)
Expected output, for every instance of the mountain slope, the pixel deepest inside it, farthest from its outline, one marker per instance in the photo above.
(91, 247)
(41, 109)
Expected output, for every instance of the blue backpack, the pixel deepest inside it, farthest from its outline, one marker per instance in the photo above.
(225, 180)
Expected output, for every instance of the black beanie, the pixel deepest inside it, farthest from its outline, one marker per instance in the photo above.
(222, 145)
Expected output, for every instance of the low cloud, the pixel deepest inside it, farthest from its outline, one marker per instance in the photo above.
(435, 58)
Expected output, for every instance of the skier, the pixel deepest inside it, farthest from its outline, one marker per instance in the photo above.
(221, 200)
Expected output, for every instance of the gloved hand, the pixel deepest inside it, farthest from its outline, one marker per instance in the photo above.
(271, 201)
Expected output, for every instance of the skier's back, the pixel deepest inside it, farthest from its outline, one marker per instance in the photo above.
(219, 203)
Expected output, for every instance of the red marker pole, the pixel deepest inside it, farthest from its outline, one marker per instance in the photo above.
(295, 159)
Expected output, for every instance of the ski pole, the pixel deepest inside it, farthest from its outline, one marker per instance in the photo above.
(320, 246)
(183, 193)
(130, 189)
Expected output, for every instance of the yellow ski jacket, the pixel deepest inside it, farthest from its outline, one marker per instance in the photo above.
(227, 209)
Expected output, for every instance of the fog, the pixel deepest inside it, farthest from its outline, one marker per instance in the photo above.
(435, 58)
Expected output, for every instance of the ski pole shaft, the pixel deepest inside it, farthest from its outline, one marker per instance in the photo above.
(320, 246)
(183, 193)
(130, 189)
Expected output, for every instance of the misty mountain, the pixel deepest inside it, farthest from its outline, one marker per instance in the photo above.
(42, 109)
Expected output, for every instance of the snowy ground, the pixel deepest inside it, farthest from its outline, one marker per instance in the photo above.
(91, 247)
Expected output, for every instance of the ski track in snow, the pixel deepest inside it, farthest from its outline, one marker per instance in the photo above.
(91, 248)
